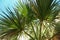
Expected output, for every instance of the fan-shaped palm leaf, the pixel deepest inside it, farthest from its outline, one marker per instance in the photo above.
(11, 23)
(15, 22)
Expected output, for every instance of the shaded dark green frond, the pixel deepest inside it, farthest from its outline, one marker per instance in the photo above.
(43, 8)
(57, 27)
(30, 15)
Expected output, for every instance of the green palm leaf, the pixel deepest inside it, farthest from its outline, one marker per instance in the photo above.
(22, 18)
(11, 23)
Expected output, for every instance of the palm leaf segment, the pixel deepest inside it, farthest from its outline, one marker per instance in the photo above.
(44, 9)
(11, 23)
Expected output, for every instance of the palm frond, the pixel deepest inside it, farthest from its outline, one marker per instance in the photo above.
(43, 8)
(11, 23)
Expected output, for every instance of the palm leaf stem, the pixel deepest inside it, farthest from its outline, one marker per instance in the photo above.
(29, 35)
(40, 36)
(34, 31)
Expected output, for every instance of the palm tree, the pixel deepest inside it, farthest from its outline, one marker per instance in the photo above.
(34, 18)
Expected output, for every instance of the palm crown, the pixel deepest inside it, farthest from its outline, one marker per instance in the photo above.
(22, 19)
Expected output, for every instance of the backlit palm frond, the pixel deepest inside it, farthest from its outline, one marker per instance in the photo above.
(26, 11)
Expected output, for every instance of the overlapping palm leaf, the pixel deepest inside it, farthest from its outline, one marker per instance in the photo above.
(11, 23)
(14, 22)
(44, 8)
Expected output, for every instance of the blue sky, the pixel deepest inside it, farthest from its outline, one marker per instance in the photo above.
(7, 3)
